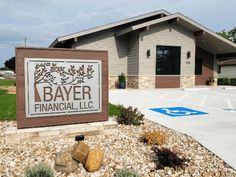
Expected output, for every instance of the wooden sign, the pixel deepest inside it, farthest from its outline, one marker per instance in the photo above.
(60, 86)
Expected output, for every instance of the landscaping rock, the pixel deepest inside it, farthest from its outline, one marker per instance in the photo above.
(63, 158)
(80, 152)
(122, 151)
(69, 168)
(65, 163)
(94, 160)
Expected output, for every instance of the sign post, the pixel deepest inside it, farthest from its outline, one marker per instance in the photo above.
(61, 86)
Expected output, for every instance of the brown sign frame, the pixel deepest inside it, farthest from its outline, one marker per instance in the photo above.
(23, 52)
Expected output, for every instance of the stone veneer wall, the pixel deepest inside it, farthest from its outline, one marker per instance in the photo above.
(113, 82)
(187, 81)
(133, 82)
(146, 82)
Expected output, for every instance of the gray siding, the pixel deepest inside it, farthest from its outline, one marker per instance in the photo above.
(133, 54)
(228, 71)
(105, 40)
(170, 35)
(128, 53)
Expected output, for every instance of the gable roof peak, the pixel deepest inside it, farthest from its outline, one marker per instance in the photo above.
(110, 25)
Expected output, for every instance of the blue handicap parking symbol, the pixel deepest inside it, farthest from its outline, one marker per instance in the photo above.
(178, 111)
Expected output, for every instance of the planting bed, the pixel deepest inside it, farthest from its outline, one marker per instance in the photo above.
(123, 150)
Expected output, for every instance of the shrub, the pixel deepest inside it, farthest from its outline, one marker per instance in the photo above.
(122, 81)
(4, 68)
(126, 173)
(130, 116)
(154, 138)
(232, 81)
(223, 81)
(39, 170)
(167, 158)
(122, 78)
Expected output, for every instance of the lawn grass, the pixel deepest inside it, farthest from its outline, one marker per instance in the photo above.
(113, 110)
(7, 106)
(7, 82)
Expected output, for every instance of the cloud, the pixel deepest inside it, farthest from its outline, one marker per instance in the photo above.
(42, 21)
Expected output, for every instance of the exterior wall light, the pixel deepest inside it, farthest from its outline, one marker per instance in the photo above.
(188, 54)
(148, 53)
(79, 137)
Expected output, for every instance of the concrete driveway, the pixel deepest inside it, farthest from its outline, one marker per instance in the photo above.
(215, 130)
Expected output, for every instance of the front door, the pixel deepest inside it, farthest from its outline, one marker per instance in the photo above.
(168, 66)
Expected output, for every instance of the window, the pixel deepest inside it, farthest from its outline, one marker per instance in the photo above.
(198, 66)
(168, 60)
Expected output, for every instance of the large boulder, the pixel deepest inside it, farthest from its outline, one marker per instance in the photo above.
(80, 152)
(65, 163)
(94, 160)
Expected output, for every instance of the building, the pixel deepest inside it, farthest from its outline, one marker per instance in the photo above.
(227, 68)
(155, 50)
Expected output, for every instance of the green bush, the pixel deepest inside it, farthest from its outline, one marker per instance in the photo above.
(122, 81)
(223, 81)
(232, 81)
(122, 78)
(130, 116)
(4, 68)
(126, 173)
(39, 170)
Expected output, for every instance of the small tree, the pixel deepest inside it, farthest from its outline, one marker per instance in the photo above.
(230, 35)
(10, 64)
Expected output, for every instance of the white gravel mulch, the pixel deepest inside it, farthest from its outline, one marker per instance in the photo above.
(123, 150)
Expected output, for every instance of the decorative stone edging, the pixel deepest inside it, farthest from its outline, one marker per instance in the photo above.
(14, 135)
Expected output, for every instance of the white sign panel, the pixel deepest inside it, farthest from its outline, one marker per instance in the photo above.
(62, 86)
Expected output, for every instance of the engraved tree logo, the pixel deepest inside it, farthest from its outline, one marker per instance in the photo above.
(53, 74)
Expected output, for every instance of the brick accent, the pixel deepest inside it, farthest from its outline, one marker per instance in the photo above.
(167, 81)
(207, 66)
(151, 82)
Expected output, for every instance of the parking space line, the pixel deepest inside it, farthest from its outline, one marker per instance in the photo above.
(184, 96)
(203, 100)
(188, 103)
(166, 94)
(229, 103)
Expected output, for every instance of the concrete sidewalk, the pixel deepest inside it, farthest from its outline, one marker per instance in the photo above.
(215, 130)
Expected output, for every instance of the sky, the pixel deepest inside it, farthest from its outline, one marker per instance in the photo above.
(42, 21)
